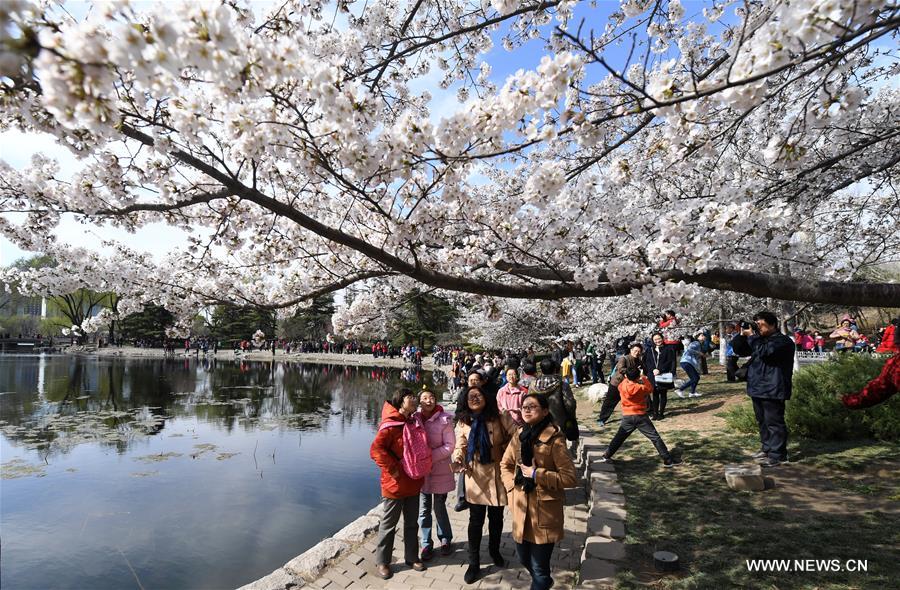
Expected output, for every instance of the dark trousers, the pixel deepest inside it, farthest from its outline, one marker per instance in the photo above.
(387, 529)
(476, 528)
(731, 367)
(609, 403)
(693, 377)
(642, 423)
(597, 370)
(658, 401)
(536, 559)
(773, 432)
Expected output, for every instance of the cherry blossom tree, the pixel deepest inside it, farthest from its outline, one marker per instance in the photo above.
(749, 147)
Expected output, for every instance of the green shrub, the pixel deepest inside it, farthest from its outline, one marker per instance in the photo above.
(742, 418)
(884, 419)
(815, 409)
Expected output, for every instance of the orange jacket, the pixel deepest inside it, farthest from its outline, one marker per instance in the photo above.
(387, 452)
(635, 396)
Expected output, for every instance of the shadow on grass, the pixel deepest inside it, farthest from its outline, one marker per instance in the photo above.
(696, 408)
(714, 530)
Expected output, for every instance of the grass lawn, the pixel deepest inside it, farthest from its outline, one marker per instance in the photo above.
(835, 500)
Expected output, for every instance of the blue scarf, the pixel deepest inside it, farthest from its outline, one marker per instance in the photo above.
(479, 440)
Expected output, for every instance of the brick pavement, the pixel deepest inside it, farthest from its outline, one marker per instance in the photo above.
(356, 568)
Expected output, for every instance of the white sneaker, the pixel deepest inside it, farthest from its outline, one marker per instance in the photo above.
(680, 393)
(695, 394)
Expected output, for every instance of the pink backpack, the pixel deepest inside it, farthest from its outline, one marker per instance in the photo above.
(416, 459)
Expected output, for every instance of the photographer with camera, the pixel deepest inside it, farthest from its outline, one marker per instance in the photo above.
(769, 376)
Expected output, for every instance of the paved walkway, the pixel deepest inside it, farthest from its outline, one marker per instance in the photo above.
(356, 569)
(588, 558)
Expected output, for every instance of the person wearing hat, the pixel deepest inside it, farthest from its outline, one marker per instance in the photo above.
(845, 335)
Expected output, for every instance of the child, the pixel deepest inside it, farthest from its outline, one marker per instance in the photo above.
(566, 370)
(635, 390)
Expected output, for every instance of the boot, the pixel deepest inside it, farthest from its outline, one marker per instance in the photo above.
(471, 575)
(494, 532)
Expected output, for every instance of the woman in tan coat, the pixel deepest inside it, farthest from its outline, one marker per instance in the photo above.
(482, 435)
(536, 468)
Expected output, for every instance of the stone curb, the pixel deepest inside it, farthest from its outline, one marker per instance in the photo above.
(309, 565)
(604, 549)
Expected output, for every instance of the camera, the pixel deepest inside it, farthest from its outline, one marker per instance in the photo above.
(748, 325)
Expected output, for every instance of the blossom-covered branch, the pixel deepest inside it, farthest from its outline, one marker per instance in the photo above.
(751, 148)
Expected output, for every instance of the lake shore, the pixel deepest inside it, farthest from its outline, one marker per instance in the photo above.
(365, 360)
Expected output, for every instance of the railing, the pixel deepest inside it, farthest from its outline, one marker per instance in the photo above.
(811, 357)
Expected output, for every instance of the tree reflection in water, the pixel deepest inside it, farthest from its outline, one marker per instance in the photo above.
(114, 402)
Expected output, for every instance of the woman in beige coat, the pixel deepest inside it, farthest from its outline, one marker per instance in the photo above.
(482, 435)
(536, 468)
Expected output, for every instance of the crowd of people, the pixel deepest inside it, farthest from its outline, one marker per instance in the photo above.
(507, 440)
(506, 445)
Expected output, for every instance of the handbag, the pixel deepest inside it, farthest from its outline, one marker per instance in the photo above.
(665, 378)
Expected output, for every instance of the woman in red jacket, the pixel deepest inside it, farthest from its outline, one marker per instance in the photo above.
(400, 493)
(889, 339)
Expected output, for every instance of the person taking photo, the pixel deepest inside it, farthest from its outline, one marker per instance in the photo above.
(769, 376)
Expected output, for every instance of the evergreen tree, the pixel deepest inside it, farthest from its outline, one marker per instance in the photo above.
(234, 322)
(311, 323)
(149, 324)
(420, 318)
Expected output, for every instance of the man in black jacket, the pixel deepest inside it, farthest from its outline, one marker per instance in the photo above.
(768, 382)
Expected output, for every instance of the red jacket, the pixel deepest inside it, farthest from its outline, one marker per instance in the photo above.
(887, 341)
(878, 389)
(667, 327)
(387, 452)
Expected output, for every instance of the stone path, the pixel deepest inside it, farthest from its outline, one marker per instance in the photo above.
(356, 569)
(589, 556)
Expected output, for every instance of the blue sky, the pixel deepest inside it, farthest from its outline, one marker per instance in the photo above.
(17, 148)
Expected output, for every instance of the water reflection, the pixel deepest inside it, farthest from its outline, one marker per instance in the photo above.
(139, 458)
(52, 404)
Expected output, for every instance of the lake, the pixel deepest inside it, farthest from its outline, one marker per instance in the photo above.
(179, 473)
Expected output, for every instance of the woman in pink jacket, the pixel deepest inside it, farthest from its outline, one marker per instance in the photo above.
(441, 439)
